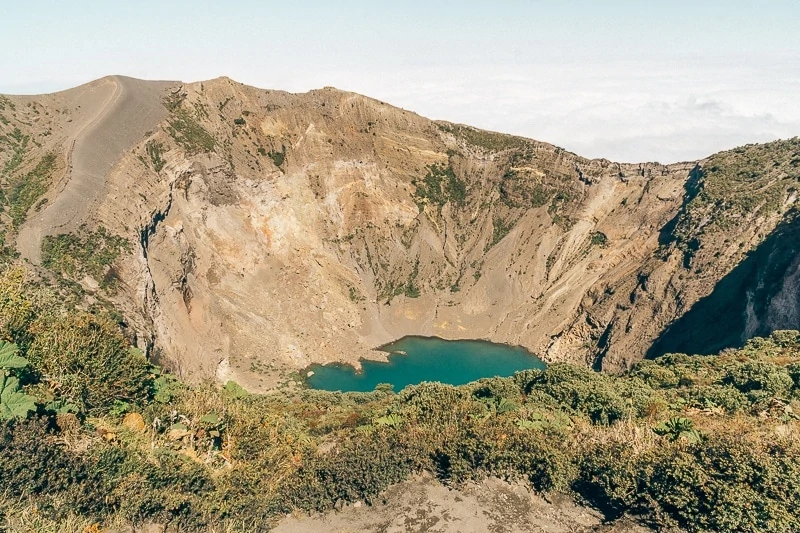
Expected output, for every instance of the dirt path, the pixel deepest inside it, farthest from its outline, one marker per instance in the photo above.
(423, 505)
(118, 112)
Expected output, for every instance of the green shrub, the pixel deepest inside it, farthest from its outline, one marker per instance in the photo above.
(439, 186)
(757, 378)
(35, 461)
(17, 307)
(613, 478)
(187, 132)
(728, 398)
(155, 151)
(655, 375)
(598, 238)
(728, 484)
(278, 158)
(75, 255)
(794, 373)
(27, 189)
(357, 470)
(500, 228)
(679, 428)
(434, 403)
(582, 390)
(488, 140)
(167, 488)
(496, 388)
(13, 402)
(88, 361)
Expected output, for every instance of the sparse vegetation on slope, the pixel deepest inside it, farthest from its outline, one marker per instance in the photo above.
(155, 152)
(500, 228)
(488, 140)
(25, 190)
(86, 252)
(440, 186)
(736, 187)
(189, 133)
(20, 191)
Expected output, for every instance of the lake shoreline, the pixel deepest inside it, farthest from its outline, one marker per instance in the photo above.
(416, 358)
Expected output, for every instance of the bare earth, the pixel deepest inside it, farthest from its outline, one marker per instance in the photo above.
(423, 505)
(115, 114)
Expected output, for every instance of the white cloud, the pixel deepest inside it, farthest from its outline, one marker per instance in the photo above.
(631, 111)
(642, 110)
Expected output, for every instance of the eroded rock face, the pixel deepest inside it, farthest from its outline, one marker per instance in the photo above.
(272, 230)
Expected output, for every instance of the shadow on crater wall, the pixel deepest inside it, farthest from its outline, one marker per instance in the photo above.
(720, 320)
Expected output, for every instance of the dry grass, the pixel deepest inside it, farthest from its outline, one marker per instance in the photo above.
(24, 517)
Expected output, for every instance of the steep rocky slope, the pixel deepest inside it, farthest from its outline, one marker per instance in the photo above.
(257, 231)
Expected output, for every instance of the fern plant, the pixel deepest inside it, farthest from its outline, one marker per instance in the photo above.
(389, 420)
(679, 428)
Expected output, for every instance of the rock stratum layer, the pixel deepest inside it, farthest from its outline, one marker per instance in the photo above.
(246, 232)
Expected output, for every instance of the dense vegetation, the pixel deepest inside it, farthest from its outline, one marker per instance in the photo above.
(92, 434)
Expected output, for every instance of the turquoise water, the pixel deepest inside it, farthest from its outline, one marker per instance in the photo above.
(426, 359)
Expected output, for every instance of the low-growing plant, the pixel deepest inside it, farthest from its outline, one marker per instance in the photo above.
(74, 255)
(439, 186)
(155, 151)
(189, 133)
(13, 402)
(87, 361)
(679, 428)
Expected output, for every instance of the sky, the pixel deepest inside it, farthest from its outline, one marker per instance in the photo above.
(644, 80)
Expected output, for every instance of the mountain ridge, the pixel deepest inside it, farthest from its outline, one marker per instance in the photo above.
(253, 217)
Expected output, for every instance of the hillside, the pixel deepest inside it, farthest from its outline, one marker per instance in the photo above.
(234, 235)
(95, 438)
(245, 233)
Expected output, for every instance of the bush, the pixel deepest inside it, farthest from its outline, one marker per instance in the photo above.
(358, 470)
(87, 361)
(167, 487)
(759, 379)
(34, 461)
(728, 398)
(87, 252)
(496, 388)
(17, 310)
(583, 390)
(613, 478)
(656, 375)
(728, 484)
(794, 373)
(434, 403)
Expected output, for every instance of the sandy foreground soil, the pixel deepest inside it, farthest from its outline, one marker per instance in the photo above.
(423, 505)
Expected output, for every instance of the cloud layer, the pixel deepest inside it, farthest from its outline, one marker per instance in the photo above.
(625, 111)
